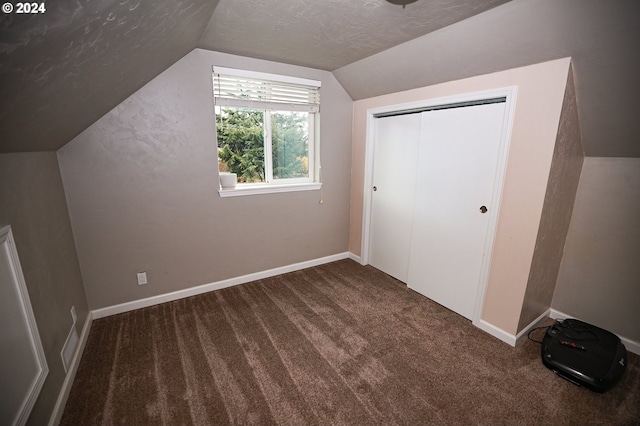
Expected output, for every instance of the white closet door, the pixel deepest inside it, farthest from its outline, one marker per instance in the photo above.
(394, 172)
(457, 159)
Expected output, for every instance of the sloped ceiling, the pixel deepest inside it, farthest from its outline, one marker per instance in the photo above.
(327, 34)
(61, 70)
(601, 37)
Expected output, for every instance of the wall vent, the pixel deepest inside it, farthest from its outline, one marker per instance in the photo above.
(71, 344)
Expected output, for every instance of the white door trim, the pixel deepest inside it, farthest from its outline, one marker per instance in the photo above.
(36, 380)
(510, 94)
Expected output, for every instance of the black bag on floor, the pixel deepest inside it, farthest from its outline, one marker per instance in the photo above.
(584, 354)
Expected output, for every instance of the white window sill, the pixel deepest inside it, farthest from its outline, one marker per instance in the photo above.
(254, 189)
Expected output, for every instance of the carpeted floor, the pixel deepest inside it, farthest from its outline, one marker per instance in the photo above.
(335, 344)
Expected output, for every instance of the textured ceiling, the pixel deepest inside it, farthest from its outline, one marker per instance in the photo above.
(601, 37)
(327, 34)
(62, 70)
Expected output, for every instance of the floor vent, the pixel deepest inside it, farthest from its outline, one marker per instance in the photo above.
(69, 348)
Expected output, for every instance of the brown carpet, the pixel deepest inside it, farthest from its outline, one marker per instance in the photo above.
(335, 344)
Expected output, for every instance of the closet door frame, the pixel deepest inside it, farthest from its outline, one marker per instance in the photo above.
(510, 94)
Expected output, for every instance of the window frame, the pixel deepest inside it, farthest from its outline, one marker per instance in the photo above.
(312, 181)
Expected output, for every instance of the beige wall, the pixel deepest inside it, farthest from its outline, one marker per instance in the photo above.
(564, 175)
(142, 189)
(32, 201)
(539, 101)
(599, 279)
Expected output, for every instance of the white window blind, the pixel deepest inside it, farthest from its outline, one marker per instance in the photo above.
(236, 88)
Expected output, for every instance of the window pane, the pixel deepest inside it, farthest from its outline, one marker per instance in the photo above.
(290, 144)
(240, 133)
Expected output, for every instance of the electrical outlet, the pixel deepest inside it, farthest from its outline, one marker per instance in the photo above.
(142, 278)
(73, 314)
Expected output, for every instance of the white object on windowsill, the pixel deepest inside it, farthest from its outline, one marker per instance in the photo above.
(228, 180)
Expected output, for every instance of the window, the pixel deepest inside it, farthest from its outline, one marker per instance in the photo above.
(267, 130)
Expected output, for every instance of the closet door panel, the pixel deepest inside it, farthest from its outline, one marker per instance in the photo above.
(457, 162)
(394, 175)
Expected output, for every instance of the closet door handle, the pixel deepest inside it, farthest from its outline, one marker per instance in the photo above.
(375, 188)
(483, 209)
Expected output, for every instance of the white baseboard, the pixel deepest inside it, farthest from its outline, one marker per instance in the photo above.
(355, 258)
(533, 324)
(58, 409)
(205, 288)
(631, 345)
(496, 332)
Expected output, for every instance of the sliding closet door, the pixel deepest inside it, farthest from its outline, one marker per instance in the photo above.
(394, 174)
(457, 159)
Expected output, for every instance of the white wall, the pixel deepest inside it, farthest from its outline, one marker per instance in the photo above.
(32, 201)
(142, 189)
(599, 279)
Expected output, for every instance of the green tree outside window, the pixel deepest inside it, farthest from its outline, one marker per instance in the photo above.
(241, 133)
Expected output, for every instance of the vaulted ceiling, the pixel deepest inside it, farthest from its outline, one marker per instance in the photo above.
(327, 34)
(62, 70)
